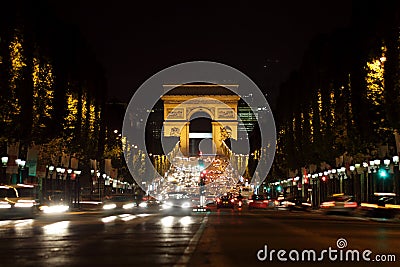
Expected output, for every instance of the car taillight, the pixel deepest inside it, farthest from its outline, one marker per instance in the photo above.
(250, 201)
(350, 205)
(232, 200)
(265, 201)
(218, 200)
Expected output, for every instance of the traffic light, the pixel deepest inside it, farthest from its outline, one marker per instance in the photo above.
(323, 178)
(201, 163)
(279, 188)
(202, 178)
(383, 173)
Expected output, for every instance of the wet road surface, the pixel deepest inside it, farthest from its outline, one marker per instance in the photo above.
(216, 238)
(93, 240)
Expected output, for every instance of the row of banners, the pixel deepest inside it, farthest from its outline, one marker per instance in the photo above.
(37, 168)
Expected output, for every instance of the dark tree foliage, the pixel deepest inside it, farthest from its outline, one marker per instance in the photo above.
(74, 69)
(323, 110)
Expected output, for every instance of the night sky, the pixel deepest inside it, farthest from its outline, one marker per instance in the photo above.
(264, 41)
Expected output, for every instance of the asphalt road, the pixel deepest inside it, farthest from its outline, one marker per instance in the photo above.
(216, 238)
(235, 239)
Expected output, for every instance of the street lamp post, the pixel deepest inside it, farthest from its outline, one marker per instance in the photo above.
(101, 186)
(386, 162)
(370, 181)
(51, 169)
(351, 184)
(377, 163)
(395, 175)
(60, 172)
(4, 161)
(77, 189)
(98, 183)
(364, 182)
(68, 186)
(21, 165)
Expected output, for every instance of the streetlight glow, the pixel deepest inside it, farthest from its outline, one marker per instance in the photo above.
(386, 162)
(4, 160)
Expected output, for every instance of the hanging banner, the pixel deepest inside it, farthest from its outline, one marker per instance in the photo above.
(12, 151)
(74, 163)
(65, 160)
(114, 173)
(107, 166)
(32, 159)
(397, 139)
(383, 151)
(93, 165)
(41, 165)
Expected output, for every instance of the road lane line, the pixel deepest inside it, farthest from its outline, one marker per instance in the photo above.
(187, 254)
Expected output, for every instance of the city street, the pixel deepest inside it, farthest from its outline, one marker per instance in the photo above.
(216, 238)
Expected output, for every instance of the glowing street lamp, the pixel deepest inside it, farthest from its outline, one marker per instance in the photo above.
(4, 161)
(21, 164)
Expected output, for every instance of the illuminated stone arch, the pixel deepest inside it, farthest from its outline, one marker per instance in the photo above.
(184, 101)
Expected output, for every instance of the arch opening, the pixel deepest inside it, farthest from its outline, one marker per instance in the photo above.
(200, 134)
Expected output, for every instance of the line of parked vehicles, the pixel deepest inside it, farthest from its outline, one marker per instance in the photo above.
(381, 205)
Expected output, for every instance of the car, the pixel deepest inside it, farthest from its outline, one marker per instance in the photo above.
(339, 203)
(179, 202)
(295, 203)
(119, 203)
(258, 202)
(226, 201)
(54, 202)
(210, 199)
(18, 200)
(149, 204)
(381, 205)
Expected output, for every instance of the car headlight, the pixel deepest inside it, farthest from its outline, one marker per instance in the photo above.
(109, 206)
(143, 205)
(185, 205)
(5, 205)
(24, 204)
(128, 206)
(54, 209)
(167, 205)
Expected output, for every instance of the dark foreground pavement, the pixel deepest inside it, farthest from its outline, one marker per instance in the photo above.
(219, 238)
(235, 238)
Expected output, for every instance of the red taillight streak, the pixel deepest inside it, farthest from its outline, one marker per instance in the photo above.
(350, 205)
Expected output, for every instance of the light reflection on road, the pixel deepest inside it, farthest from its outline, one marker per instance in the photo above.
(109, 219)
(69, 240)
(58, 228)
(186, 221)
(167, 221)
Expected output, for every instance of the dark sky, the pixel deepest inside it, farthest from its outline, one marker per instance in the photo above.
(265, 41)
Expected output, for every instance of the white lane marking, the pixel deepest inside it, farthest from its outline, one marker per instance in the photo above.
(187, 254)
